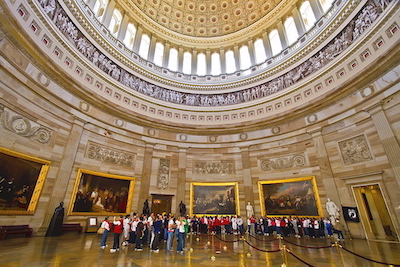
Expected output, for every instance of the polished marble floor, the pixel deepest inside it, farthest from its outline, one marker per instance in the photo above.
(73, 249)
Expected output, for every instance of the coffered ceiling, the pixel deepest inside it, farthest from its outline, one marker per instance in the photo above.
(205, 18)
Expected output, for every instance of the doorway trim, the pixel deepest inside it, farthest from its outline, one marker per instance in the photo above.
(372, 179)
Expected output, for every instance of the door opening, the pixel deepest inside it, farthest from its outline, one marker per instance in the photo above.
(374, 213)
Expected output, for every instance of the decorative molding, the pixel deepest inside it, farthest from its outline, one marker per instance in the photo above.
(355, 150)
(335, 47)
(213, 167)
(368, 91)
(22, 126)
(104, 154)
(283, 162)
(163, 174)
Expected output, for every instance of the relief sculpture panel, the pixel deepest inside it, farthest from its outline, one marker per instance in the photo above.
(355, 150)
(283, 162)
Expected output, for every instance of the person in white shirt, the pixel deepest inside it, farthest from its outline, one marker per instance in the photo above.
(180, 228)
(132, 236)
(171, 232)
(126, 228)
(240, 224)
(106, 226)
(149, 224)
(234, 225)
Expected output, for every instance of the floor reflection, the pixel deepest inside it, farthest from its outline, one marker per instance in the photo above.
(206, 250)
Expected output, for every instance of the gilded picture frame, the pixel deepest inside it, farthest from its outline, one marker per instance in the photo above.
(214, 199)
(290, 197)
(21, 182)
(97, 194)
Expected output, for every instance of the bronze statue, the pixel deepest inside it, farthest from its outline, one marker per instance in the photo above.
(55, 227)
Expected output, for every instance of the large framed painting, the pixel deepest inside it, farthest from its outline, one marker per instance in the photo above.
(214, 199)
(21, 181)
(296, 197)
(98, 193)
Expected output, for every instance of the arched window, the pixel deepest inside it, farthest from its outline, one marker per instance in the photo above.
(245, 61)
(158, 54)
(99, 8)
(130, 36)
(307, 15)
(215, 64)
(115, 22)
(187, 63)
(326, 4)
(276, 45)
(173, 59)
(260, 51)
(291, 31)
(144, 46)
(201, 64)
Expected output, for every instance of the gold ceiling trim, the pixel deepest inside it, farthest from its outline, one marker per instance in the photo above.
(205, 42)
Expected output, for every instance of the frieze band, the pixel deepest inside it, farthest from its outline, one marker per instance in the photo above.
(352, 31)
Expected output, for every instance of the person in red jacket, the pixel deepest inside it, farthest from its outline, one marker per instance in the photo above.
(118, 227)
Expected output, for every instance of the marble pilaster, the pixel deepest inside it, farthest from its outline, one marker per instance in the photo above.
(247, 179)
(325, 166)
(181, 183)
(65, 172)
(144, 192)
(388, 138)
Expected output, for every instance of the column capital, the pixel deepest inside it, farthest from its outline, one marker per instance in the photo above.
(315, 132)
(375, 108)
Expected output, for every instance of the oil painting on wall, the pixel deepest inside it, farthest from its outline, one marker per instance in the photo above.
(214, 198)
(297, 197)
(21, 182)
(101, 194)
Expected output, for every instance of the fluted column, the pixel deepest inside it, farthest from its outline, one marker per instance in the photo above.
(167, 48)
(108, 14)
(180, 59)
(388, 138)
(194, 61)
(316, 8)
(247, 180)
(91, 4)
(222, 60)
(267, 45)
(144, 192)
(152, 48)
(123, 27)
(65, 172)
(181, 186)
(237, 57)
(250, 44)
(282, 35)
(298, 21)
(138, 39)
(208, 62)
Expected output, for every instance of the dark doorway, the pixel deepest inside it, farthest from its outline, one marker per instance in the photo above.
(161, 203)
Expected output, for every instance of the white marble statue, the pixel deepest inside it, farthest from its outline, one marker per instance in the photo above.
(333, 210)
(250, 210)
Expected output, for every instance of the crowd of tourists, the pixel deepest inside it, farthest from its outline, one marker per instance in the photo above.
(149, 230)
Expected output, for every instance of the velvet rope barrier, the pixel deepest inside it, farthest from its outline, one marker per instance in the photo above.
(227, 241)
(259, 249)
(291, 253)
(365, 258)
(259, 239)
(294, 244)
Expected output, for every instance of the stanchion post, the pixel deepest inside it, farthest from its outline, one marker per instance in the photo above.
(212, 247)
(280, 240)
(284, 256)
(338, 246)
